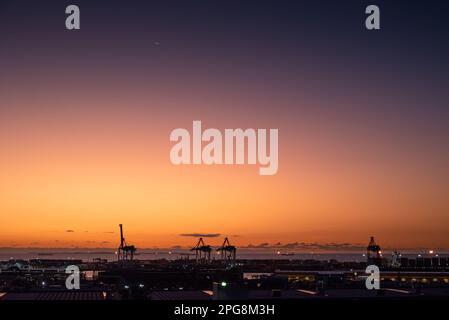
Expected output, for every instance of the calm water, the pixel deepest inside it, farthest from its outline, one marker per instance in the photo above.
(148, 254)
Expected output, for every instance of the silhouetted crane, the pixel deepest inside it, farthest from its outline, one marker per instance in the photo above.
(202, 251)
(125, 252)
(227, 251)
(373, 253)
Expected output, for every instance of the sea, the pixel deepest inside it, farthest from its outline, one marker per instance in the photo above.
(88, 255)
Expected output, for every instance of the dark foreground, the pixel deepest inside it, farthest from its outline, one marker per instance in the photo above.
(234, 309)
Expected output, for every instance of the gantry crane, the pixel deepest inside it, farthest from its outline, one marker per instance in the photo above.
(228, 252)
(373, 253)
(125, 252)
(202, 251)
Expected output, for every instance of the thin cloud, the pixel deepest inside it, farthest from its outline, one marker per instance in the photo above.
(203, 235)
(308, 246)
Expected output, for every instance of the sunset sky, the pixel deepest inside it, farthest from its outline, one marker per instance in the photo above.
(85, 119)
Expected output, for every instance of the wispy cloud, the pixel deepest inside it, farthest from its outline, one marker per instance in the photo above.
(308, 246)
(204, 235)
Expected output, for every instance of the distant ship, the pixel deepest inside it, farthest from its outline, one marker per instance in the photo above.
(44, 254)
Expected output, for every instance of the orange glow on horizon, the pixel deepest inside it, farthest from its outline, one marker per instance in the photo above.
(89, 171)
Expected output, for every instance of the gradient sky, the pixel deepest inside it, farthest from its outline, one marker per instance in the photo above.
(85, 119)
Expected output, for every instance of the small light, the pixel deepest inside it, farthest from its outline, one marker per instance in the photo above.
(430, 251)
(223, 284)
(141, 285)
(126, 287)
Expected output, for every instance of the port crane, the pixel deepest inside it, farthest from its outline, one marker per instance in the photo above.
(373, 252)
(202, 251)
(228, 252)
(125, 252)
